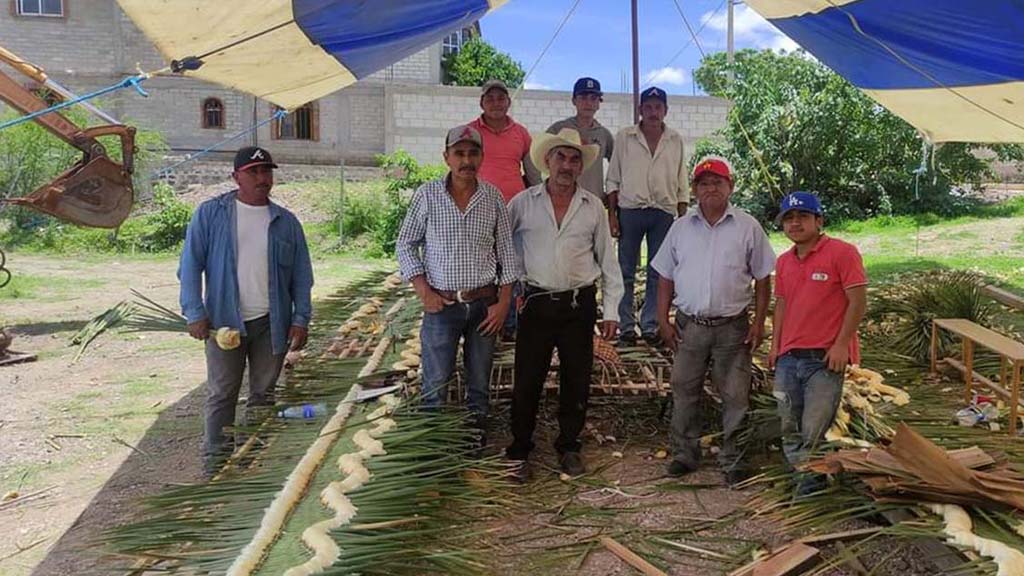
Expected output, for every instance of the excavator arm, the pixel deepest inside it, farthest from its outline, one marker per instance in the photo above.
(96, 191)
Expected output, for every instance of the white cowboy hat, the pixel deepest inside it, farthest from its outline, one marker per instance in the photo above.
(543, 143)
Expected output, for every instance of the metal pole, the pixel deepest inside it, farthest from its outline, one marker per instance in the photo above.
(730, 48)
(636, 68)
(341, 199)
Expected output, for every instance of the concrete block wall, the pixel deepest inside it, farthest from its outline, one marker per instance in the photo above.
(421, 115)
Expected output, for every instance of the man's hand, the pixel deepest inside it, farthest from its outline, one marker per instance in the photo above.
(608, 329)
(297, 335)
(495, 319)
(613, 224)
(200, 329)
(755, 335)
(432, 301)
(668, 334)
(837, 357)
(773, 356)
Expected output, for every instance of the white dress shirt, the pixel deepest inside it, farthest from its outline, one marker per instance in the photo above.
(646, 180)
(573, 255)
(713, 266)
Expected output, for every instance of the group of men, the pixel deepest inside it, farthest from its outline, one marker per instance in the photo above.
(523, 226)
(518, 235)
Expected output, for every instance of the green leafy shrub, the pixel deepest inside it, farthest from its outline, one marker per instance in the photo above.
(403, 175)
(161, 230)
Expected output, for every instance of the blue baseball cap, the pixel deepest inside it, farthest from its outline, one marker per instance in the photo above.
(802, 201)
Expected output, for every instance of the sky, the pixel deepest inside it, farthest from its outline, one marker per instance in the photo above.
(595, 41)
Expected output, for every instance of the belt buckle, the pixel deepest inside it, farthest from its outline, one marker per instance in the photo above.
(459, 297)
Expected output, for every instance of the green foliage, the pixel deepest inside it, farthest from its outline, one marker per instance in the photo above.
(806, 128)
(477, 62)
(403, 174)
(30, 156)
(160, 230)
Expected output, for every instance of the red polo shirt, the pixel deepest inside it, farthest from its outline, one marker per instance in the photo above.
(814, 289)
(504, 151)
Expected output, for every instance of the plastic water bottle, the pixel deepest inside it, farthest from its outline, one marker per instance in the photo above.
(305, 411)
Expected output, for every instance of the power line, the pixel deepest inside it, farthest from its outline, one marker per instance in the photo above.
(558, 30)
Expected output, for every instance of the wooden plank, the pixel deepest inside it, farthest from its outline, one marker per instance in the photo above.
(988, 338)
(631, 558)
(1004, 297)
(794, 558)
(999, 390)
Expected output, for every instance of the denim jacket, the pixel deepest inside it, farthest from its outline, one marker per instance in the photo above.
(210, 249)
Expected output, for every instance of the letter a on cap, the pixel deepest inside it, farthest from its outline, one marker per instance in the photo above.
(257, 154)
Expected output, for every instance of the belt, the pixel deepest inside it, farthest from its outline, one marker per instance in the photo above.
(537, 291)
(712, 321)
(812, 353)
(483, 292)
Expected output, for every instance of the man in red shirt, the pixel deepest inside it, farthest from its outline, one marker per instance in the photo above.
(820, 298)
(506, 164)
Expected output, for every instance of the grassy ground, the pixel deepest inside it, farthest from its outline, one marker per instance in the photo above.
(991, 241)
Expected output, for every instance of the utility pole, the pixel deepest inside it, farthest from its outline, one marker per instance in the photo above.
(636, 69)
(730, 48)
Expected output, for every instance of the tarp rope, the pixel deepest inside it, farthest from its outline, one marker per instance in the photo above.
(766, 175)
(546, 47)
(679, 53)
(189, 158)
(129, 82)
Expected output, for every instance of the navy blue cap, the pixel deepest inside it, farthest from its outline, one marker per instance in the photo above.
(654, 92)
(802, 201)
(586, 86)
(252, 156)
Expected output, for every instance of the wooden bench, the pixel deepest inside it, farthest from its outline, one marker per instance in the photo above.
(1010, 351)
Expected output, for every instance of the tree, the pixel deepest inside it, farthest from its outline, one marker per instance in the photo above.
(796, 125)
(477, 62)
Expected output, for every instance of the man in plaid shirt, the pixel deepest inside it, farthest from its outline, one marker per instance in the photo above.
(455, 247)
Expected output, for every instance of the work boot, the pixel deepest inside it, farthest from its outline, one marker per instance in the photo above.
(677, 469)
(572, 464)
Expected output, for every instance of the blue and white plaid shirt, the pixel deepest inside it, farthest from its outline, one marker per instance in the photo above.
(457, 250)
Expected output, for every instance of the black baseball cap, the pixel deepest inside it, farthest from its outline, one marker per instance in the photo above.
(656, 93)
(252, 156)
(586, 86)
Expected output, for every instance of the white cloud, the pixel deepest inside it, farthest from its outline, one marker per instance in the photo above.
(528, 85)
(751, 29)
(667, 75)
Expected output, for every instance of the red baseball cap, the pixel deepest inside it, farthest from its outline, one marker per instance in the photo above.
(714, 165)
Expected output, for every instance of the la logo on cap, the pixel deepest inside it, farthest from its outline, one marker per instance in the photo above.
(794, 201)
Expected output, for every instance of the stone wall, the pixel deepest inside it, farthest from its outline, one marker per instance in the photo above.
(217, 169)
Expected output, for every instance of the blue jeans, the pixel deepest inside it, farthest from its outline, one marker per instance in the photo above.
(439, 337)
(808, 395)
(634, 225)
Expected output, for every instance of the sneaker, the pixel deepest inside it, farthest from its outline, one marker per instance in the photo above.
(572, 464)
(736, 476)
(653, 340)
(627, 338)
(519, 472)
(677, 469)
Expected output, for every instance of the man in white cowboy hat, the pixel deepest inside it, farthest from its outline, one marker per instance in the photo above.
(563, 247)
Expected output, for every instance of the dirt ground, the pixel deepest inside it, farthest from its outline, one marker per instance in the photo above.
(82, 441)
(86, 438)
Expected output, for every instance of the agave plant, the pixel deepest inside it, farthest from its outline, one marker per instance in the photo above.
(902, 310)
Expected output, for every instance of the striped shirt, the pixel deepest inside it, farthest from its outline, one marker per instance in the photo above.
(456, 250)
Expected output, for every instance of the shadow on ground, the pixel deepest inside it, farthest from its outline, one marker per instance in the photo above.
(167, 454)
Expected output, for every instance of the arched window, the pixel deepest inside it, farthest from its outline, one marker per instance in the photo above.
(213, 113)
(303, 123)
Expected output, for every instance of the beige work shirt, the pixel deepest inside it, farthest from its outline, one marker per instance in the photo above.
(646, 180)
